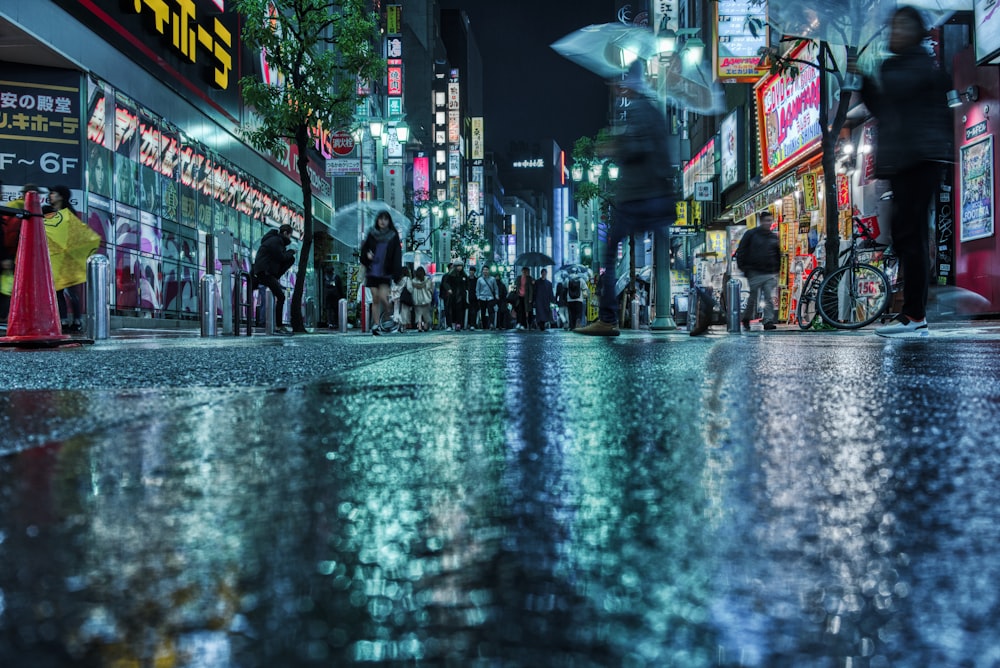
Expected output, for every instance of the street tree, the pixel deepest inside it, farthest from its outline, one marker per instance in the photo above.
(319, 50)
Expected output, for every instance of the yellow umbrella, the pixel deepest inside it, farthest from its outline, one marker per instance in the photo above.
(71, 242)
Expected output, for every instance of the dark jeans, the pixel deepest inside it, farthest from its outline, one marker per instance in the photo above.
(523, 311)
(488, 313)
(456, 311)
(575, 313)
(912, 191)
(626, 219)
(272, 284)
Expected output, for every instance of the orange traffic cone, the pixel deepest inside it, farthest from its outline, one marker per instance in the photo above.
(33, 320)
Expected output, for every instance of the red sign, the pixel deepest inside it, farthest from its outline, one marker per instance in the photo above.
(342, 142)
(788, 113)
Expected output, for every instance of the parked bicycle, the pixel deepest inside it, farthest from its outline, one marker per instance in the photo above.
(807, 312)
(858, 293)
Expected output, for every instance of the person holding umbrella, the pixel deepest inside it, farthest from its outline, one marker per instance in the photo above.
(645, 197)
(914, 143)
(382, 257)
(70, 243)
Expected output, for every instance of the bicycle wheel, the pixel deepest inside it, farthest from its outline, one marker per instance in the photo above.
(853, 296)
(806, 312)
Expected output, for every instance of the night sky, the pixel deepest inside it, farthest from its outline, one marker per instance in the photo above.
(532, 93)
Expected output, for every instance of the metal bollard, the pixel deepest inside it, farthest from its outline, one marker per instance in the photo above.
(98, 310)
(635, 312)
(310, 312)
(692, 307)
(342, 315)
(733, 306)
(268, 313)
(207, 306)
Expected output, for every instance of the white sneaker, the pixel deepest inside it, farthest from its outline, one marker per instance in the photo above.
(904, 328)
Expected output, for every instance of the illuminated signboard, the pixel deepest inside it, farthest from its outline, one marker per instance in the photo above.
(737, 49)
(788, 114)
(192, 45)
(987, 29)
(531, 163)
(730, 150)
(700, 168)
(394, 79)
(40, 127)
(152, 168)
(478, 141)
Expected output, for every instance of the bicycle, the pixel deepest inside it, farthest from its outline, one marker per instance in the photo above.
(857, 293)
(806, 312)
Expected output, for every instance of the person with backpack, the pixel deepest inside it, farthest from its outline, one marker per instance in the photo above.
(759, 258)
(576, 296)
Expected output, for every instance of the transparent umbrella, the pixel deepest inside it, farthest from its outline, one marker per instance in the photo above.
(850, 22)
(607, 49)
(350, 223)
(690, 86)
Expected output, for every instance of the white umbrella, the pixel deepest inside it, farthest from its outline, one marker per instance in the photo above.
(607, 49)
(351, 223)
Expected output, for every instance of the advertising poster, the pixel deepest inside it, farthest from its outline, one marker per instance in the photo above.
(39, 129)
(730, 141)
(977, 190)
(788, 113)
(738, 49)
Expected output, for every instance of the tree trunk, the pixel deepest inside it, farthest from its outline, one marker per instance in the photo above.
(830, 135)
(302, 144)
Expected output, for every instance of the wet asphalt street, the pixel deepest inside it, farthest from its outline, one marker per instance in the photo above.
(519, 499)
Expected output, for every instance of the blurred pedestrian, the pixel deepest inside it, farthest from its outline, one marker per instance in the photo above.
(272, 261)
(423, 295)
(402, 300)
(453, 291)
(645, 196)
(382, 256)
(560, 285)
(759, 258)
(577, 293)
(543, 299)
(70, 243)
(524, 298)
(909, 99)
(471, 299)
(488, 298)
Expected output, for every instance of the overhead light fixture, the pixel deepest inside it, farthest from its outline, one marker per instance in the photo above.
(375, 125)
(402, 132)
(955, 98)
(693, 50)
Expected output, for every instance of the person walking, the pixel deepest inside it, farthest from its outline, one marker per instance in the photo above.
(272, 261)
(488, 298)
(909, 99)
(577, 294)
(759, 258)
(453, 292)
(423, 295)
(645, 195)
(543, 298)
(471, 299)
(523, 299)
(70, 242)
(382, 256)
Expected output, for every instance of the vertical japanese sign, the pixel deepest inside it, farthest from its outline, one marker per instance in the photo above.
(39, 128)
(478, 140)
(394, 19)
(737, 50)
(976, 204)
(810, 193)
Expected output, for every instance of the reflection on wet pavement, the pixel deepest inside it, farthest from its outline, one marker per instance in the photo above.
(520, 501)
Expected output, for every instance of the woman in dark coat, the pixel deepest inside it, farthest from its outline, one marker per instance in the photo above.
(914, 143)
(543, 301)
(382, 256)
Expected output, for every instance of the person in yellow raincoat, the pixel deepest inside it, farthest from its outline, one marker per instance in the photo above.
(70, 243)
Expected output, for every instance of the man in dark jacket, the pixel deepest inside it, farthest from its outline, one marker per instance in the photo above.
(272, 261)
(759, 258)
(645, 195)
(453, 292)
(914, 143)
